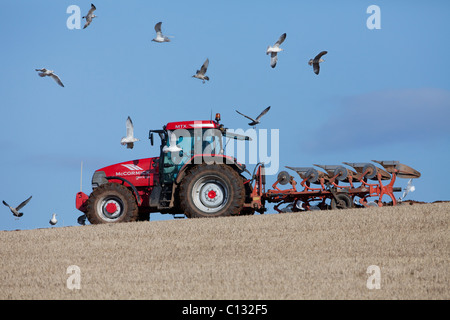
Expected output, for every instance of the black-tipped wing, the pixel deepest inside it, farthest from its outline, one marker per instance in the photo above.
(5, 203)
(320, 55)
(245, 116)
(23, 203)
(273, 59)
(263, 113)
(57, 79)
(204, 67)
(316, 68)
(158, 27)
(280, 40)
(41, 72)
(93, 8)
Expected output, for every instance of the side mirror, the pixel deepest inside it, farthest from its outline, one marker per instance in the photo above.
(180, 153)
(151, 138)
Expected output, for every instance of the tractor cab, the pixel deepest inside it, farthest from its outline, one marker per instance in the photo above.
(187, 142)
(190, 142)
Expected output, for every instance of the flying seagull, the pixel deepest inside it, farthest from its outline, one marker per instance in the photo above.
(15, 211)
(172, 143)
(274, 50)
(255, 121)
(53, 220)
(409, 188)
(44, 72)
(201, 73)
(159, 36)
(129, 140)
(89, 16)
(315, 62)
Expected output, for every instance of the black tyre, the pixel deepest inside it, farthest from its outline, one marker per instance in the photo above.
(211, 191)
(343, 201)
(111, 203)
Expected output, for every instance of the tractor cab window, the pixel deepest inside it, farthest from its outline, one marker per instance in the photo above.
(184, 144)
(194, 142)
(212, 141)
(177, 151)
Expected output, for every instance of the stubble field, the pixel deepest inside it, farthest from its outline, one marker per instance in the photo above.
(310, 255)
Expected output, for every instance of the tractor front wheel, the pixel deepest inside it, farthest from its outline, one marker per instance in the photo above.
(111, 203)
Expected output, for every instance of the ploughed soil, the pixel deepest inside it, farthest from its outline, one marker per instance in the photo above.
(301, 255)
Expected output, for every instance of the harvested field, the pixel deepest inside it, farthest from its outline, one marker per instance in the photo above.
(312, 255)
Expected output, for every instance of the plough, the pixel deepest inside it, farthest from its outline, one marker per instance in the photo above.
(336, 187)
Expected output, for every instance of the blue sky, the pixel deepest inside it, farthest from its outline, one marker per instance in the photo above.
(381, 94)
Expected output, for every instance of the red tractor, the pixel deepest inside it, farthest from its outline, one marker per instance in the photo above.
(191, 176)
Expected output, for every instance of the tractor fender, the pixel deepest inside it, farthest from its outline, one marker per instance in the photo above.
(133, 188)
(227, 160)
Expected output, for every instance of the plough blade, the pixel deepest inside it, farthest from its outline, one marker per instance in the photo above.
(370, 170)
(401, 170)
(283, 178)
(339, 172)
(311, 174)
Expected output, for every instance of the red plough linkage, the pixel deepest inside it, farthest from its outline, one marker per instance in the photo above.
(337, 187)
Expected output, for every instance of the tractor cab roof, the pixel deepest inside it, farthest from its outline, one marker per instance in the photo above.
(197, 124)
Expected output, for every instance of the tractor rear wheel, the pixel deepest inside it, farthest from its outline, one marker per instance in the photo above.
(111, 203)
(342, 201)
(212, 191)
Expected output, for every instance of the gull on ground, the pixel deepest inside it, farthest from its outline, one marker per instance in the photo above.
(53, 220)
(172, 143)
(44, 72)
(15, 211)
(274, 50)
(129, 139)
(201, 73)
(315, 62)
(255, 121)
(89, 16)
(159, 36)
